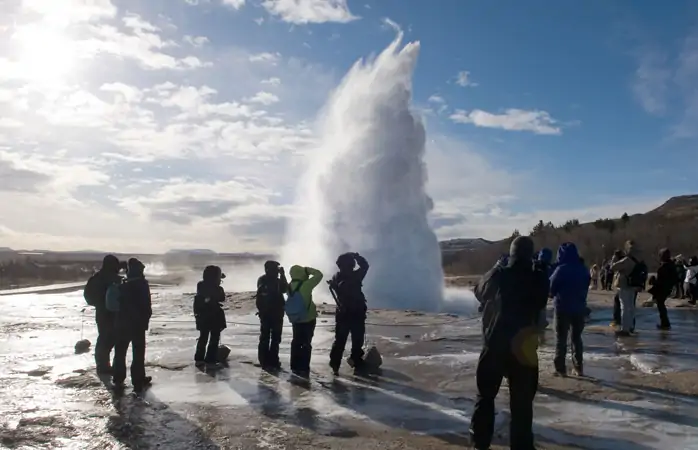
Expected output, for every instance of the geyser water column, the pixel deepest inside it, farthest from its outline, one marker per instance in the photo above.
(364, 189)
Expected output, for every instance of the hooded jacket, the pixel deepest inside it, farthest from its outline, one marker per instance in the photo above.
(208, 309)
(304, 280)
(347, 285)
(135, 307)
(692, 271)
(512, 296)
(569, 284)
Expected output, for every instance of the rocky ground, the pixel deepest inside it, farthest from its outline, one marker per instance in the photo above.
(639, 393)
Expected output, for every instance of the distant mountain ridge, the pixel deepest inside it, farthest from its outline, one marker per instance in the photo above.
(672, 225)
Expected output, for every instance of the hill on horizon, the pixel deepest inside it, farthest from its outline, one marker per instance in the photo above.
(672, 225)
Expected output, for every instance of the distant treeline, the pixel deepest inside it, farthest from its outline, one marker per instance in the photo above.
(26, 272)
(596, 240)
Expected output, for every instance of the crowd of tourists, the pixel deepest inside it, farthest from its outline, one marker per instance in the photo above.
(513, 298)
(121, 296)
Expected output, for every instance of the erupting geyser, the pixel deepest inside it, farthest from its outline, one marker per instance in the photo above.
(364, 189)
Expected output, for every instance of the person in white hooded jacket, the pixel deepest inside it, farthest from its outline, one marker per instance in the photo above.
(691, 281)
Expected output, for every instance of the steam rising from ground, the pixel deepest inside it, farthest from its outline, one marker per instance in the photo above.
(364, 189)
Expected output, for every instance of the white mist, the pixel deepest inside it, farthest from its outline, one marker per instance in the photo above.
(364, 189)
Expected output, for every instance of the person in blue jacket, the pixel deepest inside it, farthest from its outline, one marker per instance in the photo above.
(569, 287)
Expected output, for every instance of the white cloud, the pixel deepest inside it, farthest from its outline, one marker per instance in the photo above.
(235, 4)
(196, 41)
(265, 57)
(650, 84)
(64, 12)
(310, 11)
(273, 81)
(437, 99)
(538, 122)
(687, 80)
(463, 79)
(264, 98)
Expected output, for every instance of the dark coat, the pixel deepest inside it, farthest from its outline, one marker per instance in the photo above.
(208, 309)
(270, 300)
(667, 277)
(512, 296)
(135, 308)
(347, 287)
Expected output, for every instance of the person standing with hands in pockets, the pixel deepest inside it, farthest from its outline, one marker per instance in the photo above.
(270, 302)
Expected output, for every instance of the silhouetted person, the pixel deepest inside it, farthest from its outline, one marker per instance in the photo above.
(513, 296)
(681, 273)
(303, 319)
(569, 286)
(350, 315)
(271, 288)
(209, 314)
(95, 294)
(132, 320)
(664, 283)
(544, 262)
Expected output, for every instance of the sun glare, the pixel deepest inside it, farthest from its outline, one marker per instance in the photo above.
(44, 54)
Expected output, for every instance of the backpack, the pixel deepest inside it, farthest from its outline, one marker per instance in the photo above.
(296, 309)
(638, 276)
(114, 295)
(93, 291)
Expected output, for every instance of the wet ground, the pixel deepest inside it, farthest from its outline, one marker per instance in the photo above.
(632, 397)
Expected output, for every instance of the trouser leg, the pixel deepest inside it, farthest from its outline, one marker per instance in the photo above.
(663, 313)
(616, 308)
(277, 327)
(308, 345)
(119, 363)
(627, 304)
(105, 339)
(358, 335)
(200, 354)
(138, 363)
(577, 322)
(296, 346)
(212, 350)
(562, 326)
(264, 336)
(488, 376)
(523, 385)
(341, 334)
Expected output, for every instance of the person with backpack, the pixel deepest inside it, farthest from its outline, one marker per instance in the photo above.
(664, 283)
(513, 296)
(350, 315)
(569, 286)
(270, 301)
(302, 314)
(95, 294)
(132, 321)
(209, 315)
(630, 278)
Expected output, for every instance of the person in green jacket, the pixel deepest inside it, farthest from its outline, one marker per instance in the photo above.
(303, 280)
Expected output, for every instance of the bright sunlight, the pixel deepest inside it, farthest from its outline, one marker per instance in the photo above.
(44, 55)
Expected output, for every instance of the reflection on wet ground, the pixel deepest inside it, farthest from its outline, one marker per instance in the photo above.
(422, 399)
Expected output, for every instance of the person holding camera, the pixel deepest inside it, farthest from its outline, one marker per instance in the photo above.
(270, 308)
(350, 315)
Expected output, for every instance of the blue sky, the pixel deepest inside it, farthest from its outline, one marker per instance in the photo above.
(171, 123)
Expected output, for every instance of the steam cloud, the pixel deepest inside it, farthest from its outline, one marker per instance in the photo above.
(364, 189)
